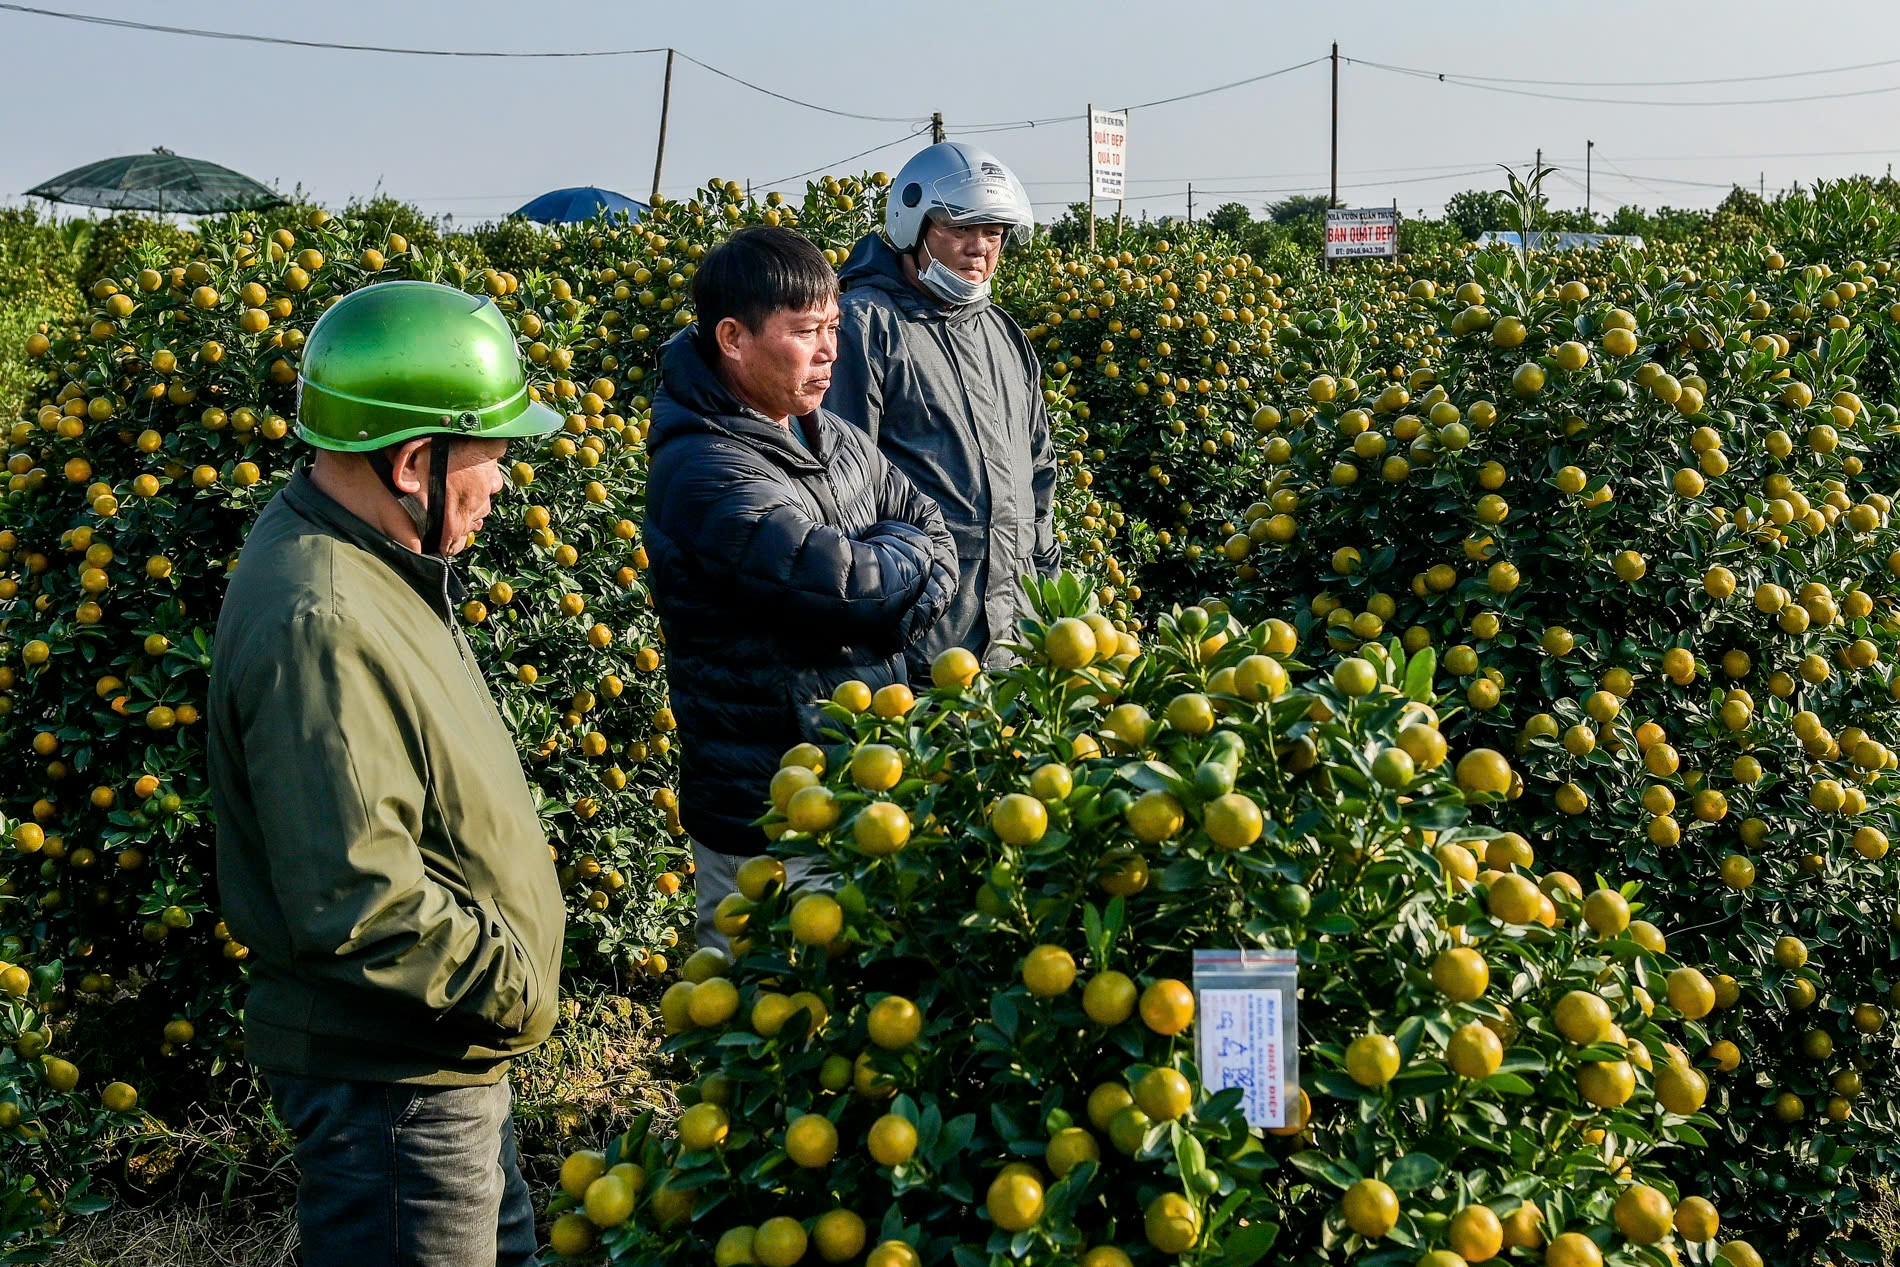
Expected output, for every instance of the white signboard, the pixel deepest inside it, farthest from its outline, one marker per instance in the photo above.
(1247, 1030)
(1240, 1047)
(1367, 231)
(1108, 153)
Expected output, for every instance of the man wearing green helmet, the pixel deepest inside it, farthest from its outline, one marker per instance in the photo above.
(379, 848)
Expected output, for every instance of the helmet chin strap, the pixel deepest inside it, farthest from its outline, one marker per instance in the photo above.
(429, 517)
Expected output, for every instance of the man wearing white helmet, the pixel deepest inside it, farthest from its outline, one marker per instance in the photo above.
(949, 386)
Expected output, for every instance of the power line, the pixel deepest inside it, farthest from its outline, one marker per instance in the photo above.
(1611, 164)
(1712, 158)
(245, 38)
(1012, 126)
(779, 180)
(333, 46)
(1300, 189)
(1238, 83)
(1437, 167)
(1645, 83)
(1357, 171)
(1462, 82)
(842, 114)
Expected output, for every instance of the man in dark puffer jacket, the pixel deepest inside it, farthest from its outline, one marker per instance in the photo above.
(786, 554)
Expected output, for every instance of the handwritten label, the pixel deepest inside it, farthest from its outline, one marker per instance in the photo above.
(1241, 1038)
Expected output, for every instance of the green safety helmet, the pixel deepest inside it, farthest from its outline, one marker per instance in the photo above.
(399, 360)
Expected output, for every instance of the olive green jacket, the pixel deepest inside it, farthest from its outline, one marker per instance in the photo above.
(378, 845)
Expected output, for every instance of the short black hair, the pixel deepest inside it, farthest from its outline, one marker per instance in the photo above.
(756, 272)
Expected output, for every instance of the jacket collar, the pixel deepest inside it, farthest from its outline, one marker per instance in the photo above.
(430, 575)
(875, 264)
(693, 398)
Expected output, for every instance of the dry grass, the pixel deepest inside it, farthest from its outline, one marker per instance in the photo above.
(1880, 1218)
(208, 1235)
(599, 1072)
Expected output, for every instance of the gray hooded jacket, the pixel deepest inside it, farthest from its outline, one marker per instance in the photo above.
(953, 397)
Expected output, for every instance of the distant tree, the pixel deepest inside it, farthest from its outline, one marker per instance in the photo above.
(393, 215)
(1567, 220)
(1678, 224)
(1426, 235)
(1071, 228)
(1299, 221)
(1298, 208)
(1742, 202)
(1631, 220)
(1231, 218)
(1477, 211)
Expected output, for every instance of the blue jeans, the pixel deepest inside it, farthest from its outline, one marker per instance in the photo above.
(394, 1175)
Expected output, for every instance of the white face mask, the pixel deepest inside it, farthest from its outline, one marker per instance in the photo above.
(951, 287)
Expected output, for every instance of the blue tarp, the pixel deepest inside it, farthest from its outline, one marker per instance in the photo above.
(583, 202)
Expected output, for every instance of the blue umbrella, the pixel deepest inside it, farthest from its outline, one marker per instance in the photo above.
(584, 202)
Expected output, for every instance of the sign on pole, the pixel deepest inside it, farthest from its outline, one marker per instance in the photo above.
(1108, 153)
(1361, 232)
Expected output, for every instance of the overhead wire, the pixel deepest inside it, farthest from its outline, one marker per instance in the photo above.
(130, 24)
(1643, 83)
(809, 105)
(1308, 188)
(779, 180)
(1448, 77)
(409, 51)
(979, 129)
(1357, 171)
(1636, 180)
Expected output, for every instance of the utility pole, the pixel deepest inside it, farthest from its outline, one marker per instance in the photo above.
(1190, 202)
(1540, 160)
(1333, 197)
(936, 127)
(1589, 152)
(1335, 187)
(1090, 187)
(666, 108)
(1762, 191)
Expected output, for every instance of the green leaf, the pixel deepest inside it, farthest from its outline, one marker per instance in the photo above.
(1003, 1012)
(1419, 672)
(1340, 1173)
(1251, 1243)
(1191, 1158)
(1413, 1171)
(1153, 776)
(1338, 1085)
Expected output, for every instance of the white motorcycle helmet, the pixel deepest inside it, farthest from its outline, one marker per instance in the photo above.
(956, 184)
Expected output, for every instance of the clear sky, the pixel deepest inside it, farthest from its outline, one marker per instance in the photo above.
(475, 138)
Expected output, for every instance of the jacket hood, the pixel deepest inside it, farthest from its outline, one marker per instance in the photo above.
(876, 265)
(693, 399)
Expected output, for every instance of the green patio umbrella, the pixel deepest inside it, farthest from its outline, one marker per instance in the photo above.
(160, 181)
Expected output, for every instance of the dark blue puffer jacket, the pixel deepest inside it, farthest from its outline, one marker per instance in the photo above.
(780, 567)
